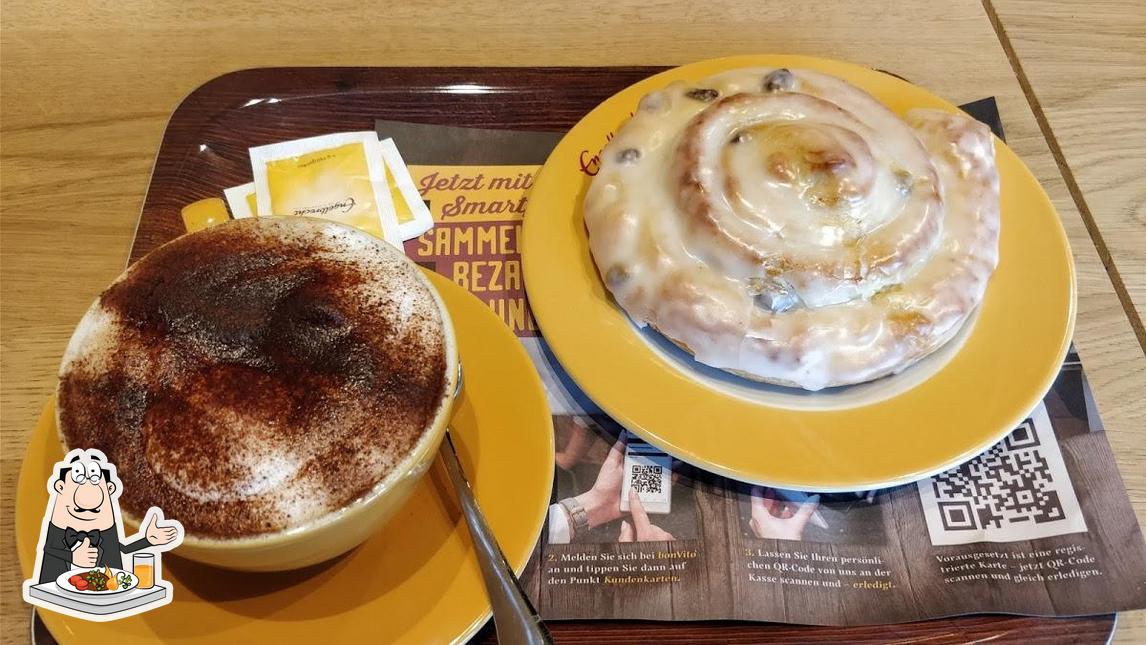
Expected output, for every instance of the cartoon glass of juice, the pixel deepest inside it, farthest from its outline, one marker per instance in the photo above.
(143, 566)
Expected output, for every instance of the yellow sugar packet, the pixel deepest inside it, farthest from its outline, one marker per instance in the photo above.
(203, 214)
(241, 200)
(414, 217)
(340, 177)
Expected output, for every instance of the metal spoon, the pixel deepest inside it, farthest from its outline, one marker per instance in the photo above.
(514, 617)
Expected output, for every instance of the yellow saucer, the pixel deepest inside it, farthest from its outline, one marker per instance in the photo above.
(416, 581)
(901, 429)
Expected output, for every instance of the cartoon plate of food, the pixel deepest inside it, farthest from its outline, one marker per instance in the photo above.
(96, 581)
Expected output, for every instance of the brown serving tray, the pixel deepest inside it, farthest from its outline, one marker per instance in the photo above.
(204, 150)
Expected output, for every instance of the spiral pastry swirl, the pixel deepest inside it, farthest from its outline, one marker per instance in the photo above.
(786, 226)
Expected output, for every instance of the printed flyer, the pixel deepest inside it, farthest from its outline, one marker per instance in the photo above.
(1038, 524)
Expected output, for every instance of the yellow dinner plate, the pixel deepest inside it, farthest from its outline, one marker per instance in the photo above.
(416, 581)
(934, 415)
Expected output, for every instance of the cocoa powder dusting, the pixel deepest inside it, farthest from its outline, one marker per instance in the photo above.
(257, 375)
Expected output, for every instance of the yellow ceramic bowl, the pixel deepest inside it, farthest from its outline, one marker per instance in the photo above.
(504, 435)
(339, 531)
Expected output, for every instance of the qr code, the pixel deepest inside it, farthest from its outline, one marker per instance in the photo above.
(646, 478)
(1018, 489)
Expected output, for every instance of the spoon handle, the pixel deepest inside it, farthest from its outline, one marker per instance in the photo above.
(514, 617)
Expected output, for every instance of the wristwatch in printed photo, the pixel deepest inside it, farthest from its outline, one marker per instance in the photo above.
(578, 517)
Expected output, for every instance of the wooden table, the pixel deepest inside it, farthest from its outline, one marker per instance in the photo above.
(86, 93)
(1083, 71)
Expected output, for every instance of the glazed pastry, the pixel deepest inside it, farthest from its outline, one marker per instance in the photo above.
(785, 226)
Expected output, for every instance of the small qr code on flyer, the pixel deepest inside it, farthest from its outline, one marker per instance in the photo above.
(1018, 489)
(646, 478)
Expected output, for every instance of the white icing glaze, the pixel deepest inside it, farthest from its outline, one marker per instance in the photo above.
(708, 213)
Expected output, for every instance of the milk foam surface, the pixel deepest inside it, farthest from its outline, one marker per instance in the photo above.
(255, 376)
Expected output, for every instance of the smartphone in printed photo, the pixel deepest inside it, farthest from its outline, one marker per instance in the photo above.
(648, 471)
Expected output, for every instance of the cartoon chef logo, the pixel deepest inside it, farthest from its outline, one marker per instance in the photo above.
(85, 567)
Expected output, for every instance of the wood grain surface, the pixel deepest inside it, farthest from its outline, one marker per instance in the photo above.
(1086, 66)
(87, 89)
